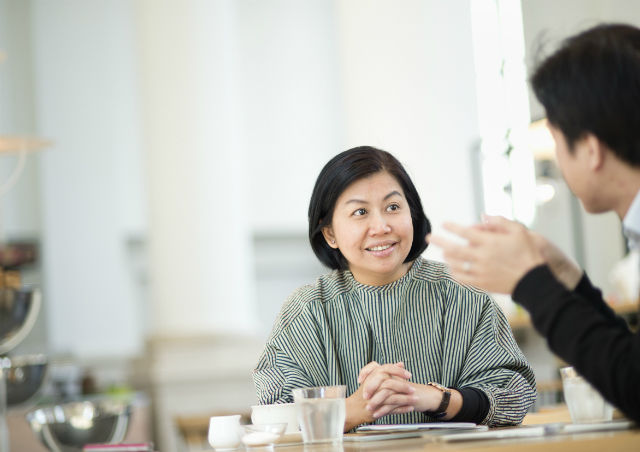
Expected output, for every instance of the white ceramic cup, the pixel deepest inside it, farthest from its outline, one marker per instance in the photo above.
(275, 414)
(224, 432)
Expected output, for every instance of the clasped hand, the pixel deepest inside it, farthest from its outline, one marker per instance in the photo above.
(383, 390)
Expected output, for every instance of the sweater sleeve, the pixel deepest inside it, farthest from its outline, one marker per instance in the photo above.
(496, 367)
(593, 295)
(581, 331)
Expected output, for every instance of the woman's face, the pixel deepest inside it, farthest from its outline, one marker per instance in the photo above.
(372, 228)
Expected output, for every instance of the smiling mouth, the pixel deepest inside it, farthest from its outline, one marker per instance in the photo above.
(380, 248)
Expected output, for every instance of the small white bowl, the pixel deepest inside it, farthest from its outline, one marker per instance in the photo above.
(262, 436)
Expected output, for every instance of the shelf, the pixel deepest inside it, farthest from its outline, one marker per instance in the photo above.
(523, 320)
(17, 143)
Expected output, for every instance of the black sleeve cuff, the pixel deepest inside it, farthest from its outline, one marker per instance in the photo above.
(475, 406)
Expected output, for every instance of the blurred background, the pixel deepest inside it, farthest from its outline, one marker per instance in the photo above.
(168, 214)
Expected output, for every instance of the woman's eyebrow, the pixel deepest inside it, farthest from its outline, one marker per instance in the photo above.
(357, 201)
(360, 201)
(394, 192)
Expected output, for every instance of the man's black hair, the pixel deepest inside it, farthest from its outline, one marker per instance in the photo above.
(591, 84)
(336, 176)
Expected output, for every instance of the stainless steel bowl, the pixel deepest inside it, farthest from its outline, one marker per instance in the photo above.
(18, 312)
(70, 426)
(24, 377)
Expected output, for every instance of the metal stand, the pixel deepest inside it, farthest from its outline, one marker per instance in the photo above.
(4, 429)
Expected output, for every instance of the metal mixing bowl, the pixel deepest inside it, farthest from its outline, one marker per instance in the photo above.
(18, 312)
(24, 376)
(70, 426)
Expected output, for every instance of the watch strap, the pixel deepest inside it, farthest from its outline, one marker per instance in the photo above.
(441, 411)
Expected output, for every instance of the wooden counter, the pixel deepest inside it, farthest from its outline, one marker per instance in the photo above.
(620, 441)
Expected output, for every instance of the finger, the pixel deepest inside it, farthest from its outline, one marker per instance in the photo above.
(401, 410)
(465, 277)
(391, 389)
(474, 236)
(501, 223)
(380, 374)
(460, 255)
(400, 399)
(400, 386)
(378, 399)
(447, 245)
(366, 371)
(385, 410)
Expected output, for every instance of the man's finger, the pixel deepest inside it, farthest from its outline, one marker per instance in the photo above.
(471, 234)
(446, 244)
(501, 223)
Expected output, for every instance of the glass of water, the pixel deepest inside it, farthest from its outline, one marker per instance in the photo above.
(585, 403)
(321, 413)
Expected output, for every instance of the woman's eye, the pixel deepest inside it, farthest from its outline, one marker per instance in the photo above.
(393, 207)
(360, 212)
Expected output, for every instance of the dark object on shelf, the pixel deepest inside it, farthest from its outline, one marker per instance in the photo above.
(18, 312)
(17, 254)
(70, 426)
(24, 376)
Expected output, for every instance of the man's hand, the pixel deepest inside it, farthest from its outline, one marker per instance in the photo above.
(496, 256)
(565, 269)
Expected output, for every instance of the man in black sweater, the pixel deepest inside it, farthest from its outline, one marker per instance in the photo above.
(590, 89)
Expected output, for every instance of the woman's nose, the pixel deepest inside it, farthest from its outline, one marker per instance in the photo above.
(378, 225)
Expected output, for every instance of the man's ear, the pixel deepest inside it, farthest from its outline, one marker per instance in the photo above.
(329, 237)
(596, 151)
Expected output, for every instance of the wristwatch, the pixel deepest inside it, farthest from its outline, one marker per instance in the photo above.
(441, 411)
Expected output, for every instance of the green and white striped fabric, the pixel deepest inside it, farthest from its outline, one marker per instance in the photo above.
(443, 331)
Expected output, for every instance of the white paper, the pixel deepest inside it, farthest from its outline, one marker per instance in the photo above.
(427, 426)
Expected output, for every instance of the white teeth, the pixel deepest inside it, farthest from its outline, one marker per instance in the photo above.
(379, 248)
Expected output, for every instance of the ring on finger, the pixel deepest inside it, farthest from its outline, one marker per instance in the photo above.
(466, 266)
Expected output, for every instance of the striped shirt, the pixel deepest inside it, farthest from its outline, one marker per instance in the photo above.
(443, 331)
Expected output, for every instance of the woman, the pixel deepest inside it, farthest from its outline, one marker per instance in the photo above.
(447, 349)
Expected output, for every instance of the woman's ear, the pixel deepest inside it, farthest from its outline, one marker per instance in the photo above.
(329, 237)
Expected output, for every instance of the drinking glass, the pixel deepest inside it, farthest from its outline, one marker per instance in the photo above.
(585, 404)
(321, 413)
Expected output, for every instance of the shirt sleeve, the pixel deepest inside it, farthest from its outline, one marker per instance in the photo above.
(275, 376)
(584, 332)
(497, 368)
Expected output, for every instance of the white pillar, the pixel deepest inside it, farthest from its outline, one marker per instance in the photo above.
(200, 243)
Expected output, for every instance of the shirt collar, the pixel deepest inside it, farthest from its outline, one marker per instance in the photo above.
(631, 224)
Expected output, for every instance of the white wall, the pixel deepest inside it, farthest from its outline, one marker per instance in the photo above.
(409, 88)
(292, 106)
(86, 99)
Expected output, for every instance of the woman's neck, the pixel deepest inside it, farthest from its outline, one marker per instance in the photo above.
(381, 279)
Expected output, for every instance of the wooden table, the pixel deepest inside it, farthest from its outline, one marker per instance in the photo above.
(620, 441)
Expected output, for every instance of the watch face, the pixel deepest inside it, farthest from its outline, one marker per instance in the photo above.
(440, 387)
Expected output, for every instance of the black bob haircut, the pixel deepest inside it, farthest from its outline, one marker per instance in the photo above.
(336, 176)
(591, 84)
